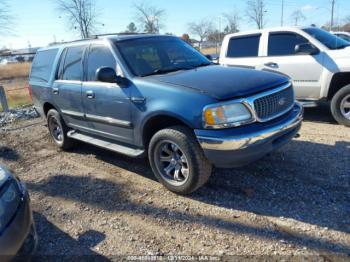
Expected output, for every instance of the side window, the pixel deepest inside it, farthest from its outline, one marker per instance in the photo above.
(245, 46)
(72, 69)
(282, 44)
(99, 56)
(61, 65)
(43, 64)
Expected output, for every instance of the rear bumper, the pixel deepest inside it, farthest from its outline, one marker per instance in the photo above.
(240, 146)
(20, 237)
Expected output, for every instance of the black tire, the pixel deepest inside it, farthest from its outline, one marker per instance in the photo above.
(56, 125)
(195, 170)
(337, 106)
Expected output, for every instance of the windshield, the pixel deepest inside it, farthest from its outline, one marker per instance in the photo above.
(159, 55)
(326, 38)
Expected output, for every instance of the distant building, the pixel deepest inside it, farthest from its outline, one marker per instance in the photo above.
(18, 55)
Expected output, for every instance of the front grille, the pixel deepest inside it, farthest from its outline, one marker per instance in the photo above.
(275, 104)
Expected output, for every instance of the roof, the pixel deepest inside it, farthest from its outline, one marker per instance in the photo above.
(287, 28)
(111, 37)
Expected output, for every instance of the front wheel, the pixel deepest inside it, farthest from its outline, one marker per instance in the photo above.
(178, 161)
(340, 106)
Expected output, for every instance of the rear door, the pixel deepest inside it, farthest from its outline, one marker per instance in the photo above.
(67, 88)
(106, 105)
(243, 51)
(304, 70)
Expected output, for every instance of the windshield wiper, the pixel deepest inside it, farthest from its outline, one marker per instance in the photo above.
(202, 64)
(161, 71)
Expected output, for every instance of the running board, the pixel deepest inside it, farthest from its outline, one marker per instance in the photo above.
(306, 103)
(105, 144)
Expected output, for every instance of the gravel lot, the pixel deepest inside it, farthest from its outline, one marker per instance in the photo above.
(93, 202)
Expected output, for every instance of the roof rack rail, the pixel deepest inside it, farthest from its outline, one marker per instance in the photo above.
(96, 36)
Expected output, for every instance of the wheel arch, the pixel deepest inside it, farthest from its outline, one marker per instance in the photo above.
(158, 122)
(339, 80)
(47, 106)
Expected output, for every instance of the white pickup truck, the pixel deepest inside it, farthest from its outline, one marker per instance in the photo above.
(317, 62)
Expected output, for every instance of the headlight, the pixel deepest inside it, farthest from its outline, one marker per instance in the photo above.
(10, 197)
(226, 115)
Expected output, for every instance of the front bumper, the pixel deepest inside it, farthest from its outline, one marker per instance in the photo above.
(240, 146)
(19, 237)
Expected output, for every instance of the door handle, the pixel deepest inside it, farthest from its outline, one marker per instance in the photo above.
(90, 94)
(55, 91)
(271, 64)
(138, 100)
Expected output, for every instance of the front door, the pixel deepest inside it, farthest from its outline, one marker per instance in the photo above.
(304, 70)
(106, 105)
(67, 86)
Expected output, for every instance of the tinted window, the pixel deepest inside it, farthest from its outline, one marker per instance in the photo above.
(159, 55)
(326, 38)
(43, 64)
(99, 56)
(247, 46)
(72, 69)
(284, 43)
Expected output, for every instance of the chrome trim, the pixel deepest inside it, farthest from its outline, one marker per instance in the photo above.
(249, 103)
(78, 127)
(255, 138)
(73, 113)
(109, 120)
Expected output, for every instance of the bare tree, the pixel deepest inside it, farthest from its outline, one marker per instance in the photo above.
(202, 29)
(80, 14)
(256, 12)
(149, 17)
(347, 19)
(297, 16)
(5, 17)
(232, 20)
(131, 28)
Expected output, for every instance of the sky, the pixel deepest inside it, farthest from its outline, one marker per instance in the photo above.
(37, 22)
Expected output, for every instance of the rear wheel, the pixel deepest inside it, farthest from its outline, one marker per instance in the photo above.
(58, 130)
(177, 160)
(340, 106)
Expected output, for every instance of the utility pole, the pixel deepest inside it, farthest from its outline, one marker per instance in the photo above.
(332, 16)
(282, 13)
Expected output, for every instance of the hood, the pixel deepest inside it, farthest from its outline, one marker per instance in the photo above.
(338, 60)
(339, 53)
(223, 83)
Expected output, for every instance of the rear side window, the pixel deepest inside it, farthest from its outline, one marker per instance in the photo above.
(245, 46)
(281, 44)
(99, 56)
(73, 69)
(43, 64)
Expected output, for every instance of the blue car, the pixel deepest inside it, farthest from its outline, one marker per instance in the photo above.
(156, 96)
(17, 230)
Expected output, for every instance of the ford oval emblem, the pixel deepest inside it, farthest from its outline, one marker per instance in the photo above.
(282, 101)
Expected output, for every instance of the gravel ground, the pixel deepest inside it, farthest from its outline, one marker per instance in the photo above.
(14, 115)
(294, 202)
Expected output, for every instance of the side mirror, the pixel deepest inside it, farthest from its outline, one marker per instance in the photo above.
(209, 57)
(108, 75)
(306, 49)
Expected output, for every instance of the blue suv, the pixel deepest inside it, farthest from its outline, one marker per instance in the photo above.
(156, 95)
